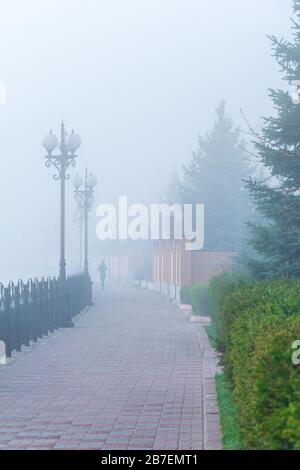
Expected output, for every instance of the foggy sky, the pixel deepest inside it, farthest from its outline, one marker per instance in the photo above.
(138, 79)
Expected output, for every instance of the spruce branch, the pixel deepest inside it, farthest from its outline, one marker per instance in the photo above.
(268, 144)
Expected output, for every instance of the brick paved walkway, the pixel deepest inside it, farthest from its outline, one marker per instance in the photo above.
(128, 376)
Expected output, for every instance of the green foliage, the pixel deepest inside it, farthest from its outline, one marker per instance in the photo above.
(212, 334)
(276, 240)
(269, 297)
(266, 388)
(197, 296)
(258, 322)
(219, 287)
(276, 379)
(185, 296)
(232, 295)
(199, 299)
(231, 431)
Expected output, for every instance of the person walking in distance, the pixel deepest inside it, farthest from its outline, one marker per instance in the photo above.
(102, 271)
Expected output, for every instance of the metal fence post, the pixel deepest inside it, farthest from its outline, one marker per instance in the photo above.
(25, 296)
(34, 311)
(7, 321)
(15, 295)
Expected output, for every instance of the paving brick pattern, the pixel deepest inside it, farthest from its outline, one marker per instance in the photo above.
(128, 376)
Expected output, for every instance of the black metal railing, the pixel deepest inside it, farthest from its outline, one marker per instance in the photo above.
(30, 310)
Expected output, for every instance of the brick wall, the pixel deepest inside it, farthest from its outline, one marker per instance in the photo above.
(172, 264)
(207, 264)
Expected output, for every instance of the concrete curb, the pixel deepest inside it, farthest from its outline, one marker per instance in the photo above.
(212, 439)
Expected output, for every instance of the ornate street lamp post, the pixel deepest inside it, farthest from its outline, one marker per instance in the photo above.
(79, 219)
(61, 162)
(85, 199)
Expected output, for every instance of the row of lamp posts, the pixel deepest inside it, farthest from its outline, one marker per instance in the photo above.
(62, 160)
(84, 195)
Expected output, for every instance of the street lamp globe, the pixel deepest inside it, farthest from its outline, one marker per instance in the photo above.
(91, 181)
(50, 142)
(77, 182)
(74, 142)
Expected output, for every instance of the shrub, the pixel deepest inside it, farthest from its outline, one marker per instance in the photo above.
(256, 296)
(185, 295)
(211, 331)
(219, 288)
(266, 387)
(199, 299)
(239, 353)
(197, 296)
(257, 325)
(237, 297)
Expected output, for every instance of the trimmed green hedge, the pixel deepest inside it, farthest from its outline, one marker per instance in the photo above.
(197, 296)
(199, 299)
(266, 384)
(219, 288)
(257, 323)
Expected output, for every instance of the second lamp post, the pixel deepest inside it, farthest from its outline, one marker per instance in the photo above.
(85, 199)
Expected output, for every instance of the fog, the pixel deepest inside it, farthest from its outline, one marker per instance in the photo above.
(138, 80)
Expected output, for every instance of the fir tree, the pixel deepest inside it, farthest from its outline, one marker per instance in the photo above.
(277, 239)
(214, 178)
